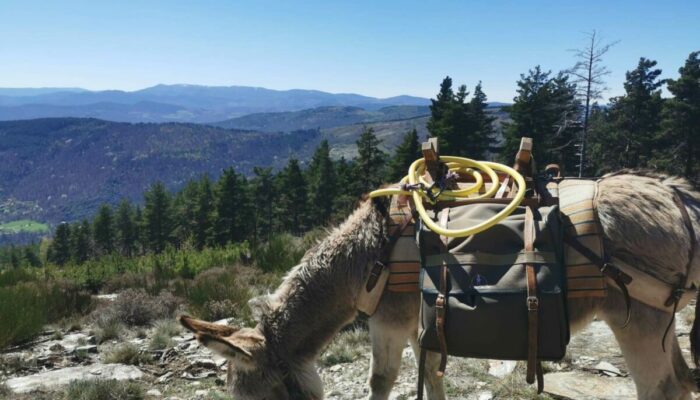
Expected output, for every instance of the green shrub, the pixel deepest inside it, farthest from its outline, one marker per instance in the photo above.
(135, 307)
(280, 253)
(107, 326)
(27, 306)
(127, 353)
(98, 389)
(218, 293)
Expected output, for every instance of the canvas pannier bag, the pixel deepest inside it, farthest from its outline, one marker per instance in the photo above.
(476, 299)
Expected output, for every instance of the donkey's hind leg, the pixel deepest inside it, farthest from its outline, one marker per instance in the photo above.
(434, 386)
(394, 322)
(657, 374)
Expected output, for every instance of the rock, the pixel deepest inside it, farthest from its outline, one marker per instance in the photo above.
(106, 297)
(485, 396)
(154, 393)
(500, 369)
(608, 369)
(56, 348)
(201, 393)
(61, 377)
(206, 363)
(335, 368)
(583, 386)
(86, 349)
(166, 377)
(191, 377)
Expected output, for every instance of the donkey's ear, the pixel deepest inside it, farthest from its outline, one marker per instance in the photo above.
(199, 326)
(238, 347)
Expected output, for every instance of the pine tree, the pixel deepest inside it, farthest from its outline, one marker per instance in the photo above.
(126, 229)
(406, 153)
(60, 249)
(546, 110)
(229, 208)
(185, 205)
(81, 241)
(682, 121)
(322, 185)
(140, 231)
(158, 218)
(632, 123)
(203, 213)
(292, 199)
(103, 230)
(31, 256)
(263, 196)
(347, 192)
(370, 161)
(482, 123)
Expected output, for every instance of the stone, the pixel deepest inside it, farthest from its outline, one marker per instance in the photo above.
(154, 393)
(584, 386)
(486, 396)
(608, 369)
(201, 393)
(106, 297)
(206, 363)
(165, 377)
(61, 377)
(86, 349)
(500, 369)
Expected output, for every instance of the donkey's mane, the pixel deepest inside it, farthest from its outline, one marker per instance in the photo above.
(318, 296)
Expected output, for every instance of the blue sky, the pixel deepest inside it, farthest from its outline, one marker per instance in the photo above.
(377, 48)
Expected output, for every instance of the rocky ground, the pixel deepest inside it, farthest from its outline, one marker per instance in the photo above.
(593, 368)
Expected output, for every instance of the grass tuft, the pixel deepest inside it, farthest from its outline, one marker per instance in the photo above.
(346, 347)
(127, 353)
(104, 390)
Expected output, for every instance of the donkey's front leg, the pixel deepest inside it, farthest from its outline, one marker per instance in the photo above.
(394, 322)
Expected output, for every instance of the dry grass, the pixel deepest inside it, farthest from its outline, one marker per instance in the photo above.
(163, 332)
(104, 390)
(127, 353)
(346, 347)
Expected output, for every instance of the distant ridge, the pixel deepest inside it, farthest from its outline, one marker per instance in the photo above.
(179, 103)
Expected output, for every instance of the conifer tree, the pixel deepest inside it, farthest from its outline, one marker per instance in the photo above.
(370, 161)
(482, 123)
(230, 208)
(31, 256)
(682, 121)
(347, 191)
(406, 153)
(126, 229)
(140, 231)
(292, 198)
(103, 230)
(204, 209)
(546, 110)
(322, 185)
(185, 205)
(60, 249)
(631, 128)
(263, 196)
(158, 216)
(81, 239)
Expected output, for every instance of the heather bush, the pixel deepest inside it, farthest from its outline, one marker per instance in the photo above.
(218, 293)
(280, 253)
(135, 307)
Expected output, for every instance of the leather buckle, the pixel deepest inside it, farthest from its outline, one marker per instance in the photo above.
(533, 303)
(440, 302)
(374, 275)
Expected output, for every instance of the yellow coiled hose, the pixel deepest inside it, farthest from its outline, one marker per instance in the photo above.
(463, 165)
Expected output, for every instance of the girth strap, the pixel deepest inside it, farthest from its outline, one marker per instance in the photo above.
(678, 291)
(534, 367)
(620, 278)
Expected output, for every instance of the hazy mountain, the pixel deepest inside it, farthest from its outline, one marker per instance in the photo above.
(321, 117)
(196, 103)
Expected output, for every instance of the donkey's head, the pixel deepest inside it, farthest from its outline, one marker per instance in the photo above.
(254, 372)
(276, 359)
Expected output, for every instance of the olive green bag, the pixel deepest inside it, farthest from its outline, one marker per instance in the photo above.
(479, 285)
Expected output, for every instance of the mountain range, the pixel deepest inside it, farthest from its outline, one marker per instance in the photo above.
(178, 103)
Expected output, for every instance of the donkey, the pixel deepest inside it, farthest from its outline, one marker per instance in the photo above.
(276, 359)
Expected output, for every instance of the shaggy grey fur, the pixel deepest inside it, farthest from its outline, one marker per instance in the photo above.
(318, 297)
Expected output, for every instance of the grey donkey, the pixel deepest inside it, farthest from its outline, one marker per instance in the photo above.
(277, 358)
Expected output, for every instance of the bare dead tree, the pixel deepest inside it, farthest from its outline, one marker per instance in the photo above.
(589, 74)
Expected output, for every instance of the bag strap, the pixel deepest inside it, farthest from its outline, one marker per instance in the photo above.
(421, 373)
(534, 367)
(441, 301)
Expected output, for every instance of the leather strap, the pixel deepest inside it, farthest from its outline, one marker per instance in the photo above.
(421, 373)
(532, 300)
(678, 291)
(620, 278)
(441, 301)
(380, 264)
